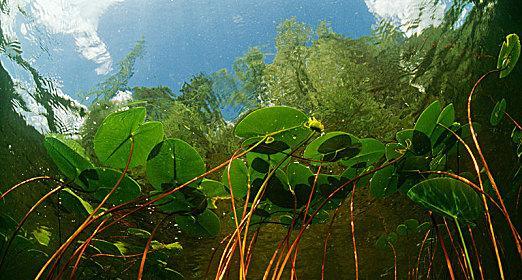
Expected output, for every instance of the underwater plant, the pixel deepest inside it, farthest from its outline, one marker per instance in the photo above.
(287, 171)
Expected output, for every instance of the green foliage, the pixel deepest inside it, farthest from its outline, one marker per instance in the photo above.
(449, 197)
(238, 179)
(101, 180)
(204, 225)
(173, 161)
(498, 112)
(509, 54)
(113, 139)
(333, 146)
(68, 155)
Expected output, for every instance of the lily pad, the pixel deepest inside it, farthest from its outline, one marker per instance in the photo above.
(112, 142)
(384, 182)
(238, 178)
(333, 146)
(206, 224)
(283, 124)
(372, 150)
(102, 180)
(173, 161)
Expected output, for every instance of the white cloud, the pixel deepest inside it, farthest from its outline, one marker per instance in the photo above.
(78, 18)
(411, 16)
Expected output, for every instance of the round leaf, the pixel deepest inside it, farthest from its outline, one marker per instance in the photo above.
(102, 180)
(333, 146)
(284, 124)
(173, 161)
(372, 150)
(112, 142)
(204, 225)
(448, 196)
(384, 182)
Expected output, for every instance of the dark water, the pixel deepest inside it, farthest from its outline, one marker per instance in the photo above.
(371, 74)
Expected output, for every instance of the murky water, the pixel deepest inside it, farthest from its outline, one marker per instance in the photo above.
(365, 67)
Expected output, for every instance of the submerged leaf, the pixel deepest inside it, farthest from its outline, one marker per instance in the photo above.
(101, 180)
(68, 155)
(449, 197)
(173, 161)
(509, 54)
(112, 142)
(498, 112)
(333, 146)
(206, 224)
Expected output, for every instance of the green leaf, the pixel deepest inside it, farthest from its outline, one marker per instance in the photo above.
(74, 203)
(138, 232)
(449, 197)
(206, 224)
(509, 54)
(384, 182)
(404, 137)
(42, 235)
(173, 161)
(278, 190)
(112, 142)
(284, 124)
(412, 225)
(498, 112)
(212, 188)
(427, 120)
(333, 146)
(298, 178)
(394, 150)
(238, 178)
(157, 246)
(516, 136)
(402, 229)
(372, 150)
(68, 155)
(106, 247)
(102, 180)
(445, 119)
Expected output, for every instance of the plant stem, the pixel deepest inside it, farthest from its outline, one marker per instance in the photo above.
(465, 249)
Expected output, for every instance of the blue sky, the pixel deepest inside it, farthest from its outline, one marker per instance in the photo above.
(84, 37)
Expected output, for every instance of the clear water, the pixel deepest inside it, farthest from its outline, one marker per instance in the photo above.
(60, 59)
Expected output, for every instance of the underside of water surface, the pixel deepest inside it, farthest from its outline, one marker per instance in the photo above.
(361, 139)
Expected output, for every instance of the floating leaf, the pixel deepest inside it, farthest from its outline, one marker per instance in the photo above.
(448, 196)
(509, 54)
(102, 180)
(333, 146)
(68, 155)
(204, 225)
(384, 182)
(284, 124)
(175, 162)
(498, 112)
(112, 142)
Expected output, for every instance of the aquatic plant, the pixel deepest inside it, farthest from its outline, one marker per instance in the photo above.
(287, 171)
